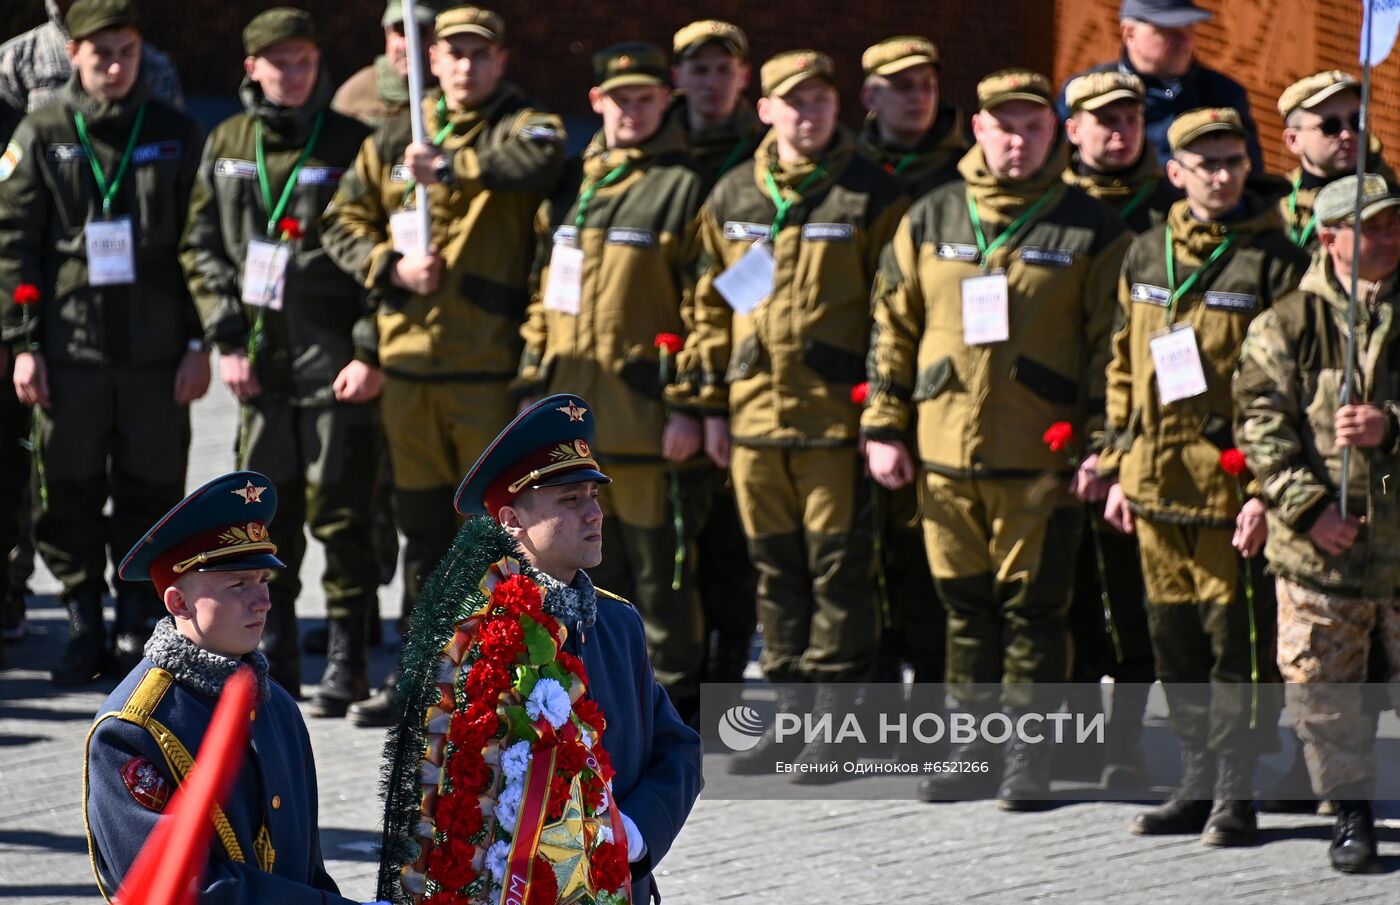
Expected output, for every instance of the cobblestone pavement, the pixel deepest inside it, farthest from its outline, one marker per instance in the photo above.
(784, 853)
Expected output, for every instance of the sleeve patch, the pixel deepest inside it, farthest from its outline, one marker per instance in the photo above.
(9, 161)
(146, 784)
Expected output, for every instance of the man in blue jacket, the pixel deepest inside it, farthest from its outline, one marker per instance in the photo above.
(1159, 47)
(539, 480)
(210, 559)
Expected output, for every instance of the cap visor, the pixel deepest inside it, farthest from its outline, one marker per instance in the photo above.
(631, 78)
(482, 30)
(788, 84)
(1376, 207)
(1209, 129)
(577, 476)
(1175, 18)
(1000, 99)
(1329, 91)
(239, 563)
(1118, 94)
(690, 49)
(904, 63)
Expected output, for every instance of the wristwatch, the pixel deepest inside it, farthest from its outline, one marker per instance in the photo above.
(442, 169)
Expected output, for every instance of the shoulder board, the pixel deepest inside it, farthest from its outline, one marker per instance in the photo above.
(141, 705)
(611, 595)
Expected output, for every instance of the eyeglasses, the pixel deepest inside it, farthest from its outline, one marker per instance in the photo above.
(1333, 125)
(1212, 165)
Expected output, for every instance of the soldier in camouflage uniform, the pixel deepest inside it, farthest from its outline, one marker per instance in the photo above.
(379, 92)
(450, 304)
(999, 524)
(302, 358)
(1188, 291)
(1338, 576)
(1322, 123)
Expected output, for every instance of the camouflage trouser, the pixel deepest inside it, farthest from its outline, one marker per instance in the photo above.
(806, 515)
(914, 620)
(1214, 651)
(1002, 553)
(639, 563)
(1324, 642)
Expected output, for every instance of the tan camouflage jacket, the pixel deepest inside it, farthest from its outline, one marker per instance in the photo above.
(1286, 392)
(1296, 204)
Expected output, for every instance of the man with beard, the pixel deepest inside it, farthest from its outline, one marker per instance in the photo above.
(379, 92)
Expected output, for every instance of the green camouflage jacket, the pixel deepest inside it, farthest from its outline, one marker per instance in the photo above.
(1286, 395)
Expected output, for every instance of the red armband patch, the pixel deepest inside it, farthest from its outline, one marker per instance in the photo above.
(146, 784)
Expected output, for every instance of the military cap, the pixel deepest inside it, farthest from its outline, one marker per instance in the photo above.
(221, 527)
(1013, 85)
(895, 54)
(697, 34)
(425, 13)
(88, 17)
(281, 23)
(1192, 124)
(470, 20)
(1166, 13)
(787, 70)
(545, 445)
(1336, 203)
(1099, 89)
(1307, 93)
(632, 63)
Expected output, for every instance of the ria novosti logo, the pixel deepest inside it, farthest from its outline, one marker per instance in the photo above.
(740, 728)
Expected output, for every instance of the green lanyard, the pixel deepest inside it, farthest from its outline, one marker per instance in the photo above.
(586, 196)
(734, 157)
(442, 133)
(1138, 199)
(782, 204)
(275, 212)
(1015, 227)
(1178, 291)
(109, 189)
(1299, 239)
(903, 163)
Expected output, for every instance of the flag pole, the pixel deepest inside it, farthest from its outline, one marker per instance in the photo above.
(413, 37)
(1361, 153)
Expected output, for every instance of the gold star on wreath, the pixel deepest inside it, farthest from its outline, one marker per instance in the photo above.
(562, 845)
(573, 410)
(250, 494)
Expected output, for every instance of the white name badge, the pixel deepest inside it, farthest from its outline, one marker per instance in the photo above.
(111, 252)
(746, 284)
(265, 273)
(1177, 359)
(986, 303)
(563, 291)
(406, 227)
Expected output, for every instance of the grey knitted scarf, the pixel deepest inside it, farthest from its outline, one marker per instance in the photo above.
(574, 604)
(192, 665)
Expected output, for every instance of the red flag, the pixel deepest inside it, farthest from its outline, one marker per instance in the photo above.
(168, 870)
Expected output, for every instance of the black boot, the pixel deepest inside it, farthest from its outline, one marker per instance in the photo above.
(316, 641)
(980, 779)
(1025, 783)
(380, 709)
(344, 681)
(759, 760)
(86, 650)
(727, 658)
(1188, 808)
(279, 645)
(1124, 766)
(1293, 793)
(138, 611)
(1353, 849)
(826, 757)
(1232, 821)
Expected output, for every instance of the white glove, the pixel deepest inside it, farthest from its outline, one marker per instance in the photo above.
(636, 845)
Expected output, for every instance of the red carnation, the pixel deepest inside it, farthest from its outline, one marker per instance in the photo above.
(1059, 436)
(669, 342)
(544, 888)
(447, 897)
(572, 664)
(26, 294)
(458, 814)
(559, 791)
(469, 772)
(290, 228)
(486, 680)
(502, 639)
(517, 595)
(860, 392)
(1232, 460)
(587, 710)
(450, 864)
(607, 866)
(605, 767)
(571, 758)
(593, 795)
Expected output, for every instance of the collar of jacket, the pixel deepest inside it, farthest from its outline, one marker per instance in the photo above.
(1125, 66)
(1194, 239)
(1003, 199)
(104, 113)
(289, 125)
(1321, 280)
(741, 125)
(388, 84)
(790, 175)
(599, 160)
(946, 134)
(197, 668)
(1116, 186)
(465, 122)
(574, 604)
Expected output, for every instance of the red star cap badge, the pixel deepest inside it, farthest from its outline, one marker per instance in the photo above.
(250, 493)
(573, 410)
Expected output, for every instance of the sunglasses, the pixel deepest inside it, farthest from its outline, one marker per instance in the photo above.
(1333, 125)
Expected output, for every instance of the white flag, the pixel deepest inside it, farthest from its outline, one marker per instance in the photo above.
(1381, 22)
